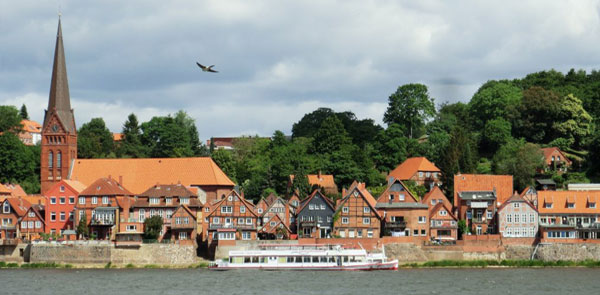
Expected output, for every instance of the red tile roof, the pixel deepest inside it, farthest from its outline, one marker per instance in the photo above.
(117, 136)
(548, 154)
(20, 205)
(408, 168)
(503, 184)
(435, 193)
(438, 207)
(516, 197)
(326, 181)
(140, 174)
(559, 199)
(364, 193)
(31, 126)
(105, 187)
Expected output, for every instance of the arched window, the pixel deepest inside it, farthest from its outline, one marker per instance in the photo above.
(58, 160)
(50, 159)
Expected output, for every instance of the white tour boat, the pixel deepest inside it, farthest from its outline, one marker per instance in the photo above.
(305, 257)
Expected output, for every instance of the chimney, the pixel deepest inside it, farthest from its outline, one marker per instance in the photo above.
(343, 192)
(319, 175)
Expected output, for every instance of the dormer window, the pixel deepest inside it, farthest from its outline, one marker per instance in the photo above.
(184, 201)
(548, 205)
(571, 205)
(154, 201)
(592, 205)
(6, 207)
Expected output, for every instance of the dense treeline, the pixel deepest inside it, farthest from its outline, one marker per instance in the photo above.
(500, 130)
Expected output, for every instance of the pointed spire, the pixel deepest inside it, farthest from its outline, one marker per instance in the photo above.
(60, 101)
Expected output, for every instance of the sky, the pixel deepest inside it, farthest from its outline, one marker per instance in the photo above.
(278, 60)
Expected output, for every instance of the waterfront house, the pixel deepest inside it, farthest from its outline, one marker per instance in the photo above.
(183, 225)
(517, 218)
(478, 208)
(402, 214)
(314, 216)
(555, 160)
(569, 215)
(232, 218)
(434, 197)
(418, 169)
(60, 206)
(276, 206)
(274, 228)
(98, 203)
(325, 182)
(164, 200)
(32, 225)
(502, 184)
(442, 223)
(356, 215)
(12, 210)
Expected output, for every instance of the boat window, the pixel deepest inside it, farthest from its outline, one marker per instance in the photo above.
(255, 259)
(323, 259)
(352, 259)
(331, 259)
(306, 259)
(290, 259)
(345, 258)
(315, 259)
(246, 259)
(230, 260)
(298, 259)
(263, 260)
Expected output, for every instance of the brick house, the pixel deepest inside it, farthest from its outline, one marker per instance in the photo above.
(442, 223)
(325, 182)
(11, 211)
(356, 215)
(435, 196)
(569, 215)
(555, 159)
(418, 169)
(479, 209)
(402, 215)
(517, 218)
(164, 200)
(31, 134)
(32, 225)
(184, 225)
(314, 216)
(60, 206)
(275, 228)
(232, 218)
(98, 203)
(276, 206)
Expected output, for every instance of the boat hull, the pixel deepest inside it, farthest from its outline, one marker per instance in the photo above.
(390, 265)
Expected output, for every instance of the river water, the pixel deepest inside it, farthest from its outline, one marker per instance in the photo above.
(202, 281)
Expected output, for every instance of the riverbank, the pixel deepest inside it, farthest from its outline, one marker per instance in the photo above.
(52, 265)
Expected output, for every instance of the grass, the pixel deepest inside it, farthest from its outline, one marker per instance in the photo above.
(504, 263)
(129, 266)
(199, 265)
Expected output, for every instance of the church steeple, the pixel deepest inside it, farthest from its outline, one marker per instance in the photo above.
(60, 100)
(59, 132)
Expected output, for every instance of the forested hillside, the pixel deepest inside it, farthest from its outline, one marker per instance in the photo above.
(500, 130)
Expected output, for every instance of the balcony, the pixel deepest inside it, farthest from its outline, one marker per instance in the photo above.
(480, 220)
(395, 224)
(231, 225)
(102, 222)
(308, 223)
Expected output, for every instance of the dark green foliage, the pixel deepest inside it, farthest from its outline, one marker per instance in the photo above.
(131, 146)
(225, 160)
(10, 120)
(519, 159)
(152, 227)
(494, 99)
(94, 140)
(23, 112)
(19, 163)
(410, 107)
(82, 228)
(172, 137)
(418, 191)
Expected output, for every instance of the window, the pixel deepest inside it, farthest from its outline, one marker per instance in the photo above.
(420, 174)
(422, 219)
(401, 197)
(230, 198)
(50, 160)
(592, 205)
(6, 207)
(516, 218)
(186, 220)
(509, 218)
(311, 207)
(241, 220)
(184, 201)
(489, 215)
(71, 216)
(23, 224)
(243, 209)
(131, 227)
(53, 200)
(433, 201)
(169, 200)
(246, 235)
(183, 235)
(216, 220)
(260, 210)
(571, 205)
(63, 216)
(322, 206)
(416, 232)
(391, 197)
(531, 217)
(423, 232)
(226, 209)
(523, 217)
(31, 214)
(366, 220)
(443, 212)
(427, 174)
(547, 205)
(345, 209)
(249, 221)
(142, 215)
(169, 213)
(63, 200)
(71, 200)
(509, 232)
(343, 234)
(154, 201)
(516, 205)
(177, 220)
(344, 220)
(58, 159)
(38, 224)
(62, 188)
(272, 223)
(94, 200)
(369, 233)
(359, 233)
(366, 209)
(105, 200)
(52, 216)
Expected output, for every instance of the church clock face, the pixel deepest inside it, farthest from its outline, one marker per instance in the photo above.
(55, 128)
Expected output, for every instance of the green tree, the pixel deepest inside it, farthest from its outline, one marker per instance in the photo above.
(410, 106)
(460, 156)
(496, 133)
(131, 146)
(172, 137)
(519, 159)
(94, 140)
(225, 161)
(19, 163)
(23, 113)
(82, 228)
(536, 115)
(574, 121)
(10, 120)
(493, 100)
(390, 148)
(152, 227)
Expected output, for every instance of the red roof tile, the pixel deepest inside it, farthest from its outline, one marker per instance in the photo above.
(408, 168)
(503, 184)
(105, 187)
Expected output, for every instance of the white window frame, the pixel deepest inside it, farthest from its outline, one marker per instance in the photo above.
(23, 224)
(142, 215)
(366, 209)
(81, 200)
(345, 220)
(345, 209)
(183, 235)
(226, 209)
(246, 235)
(31, 214)
(401, 197)
(94, 200)
(366, 220)
(52, 200)
(105, 200)
(216, 220)
(38, 224)
(62, 200)
(71, 200)
(52, 216)
(249, 220)
(242, 209)
(422, 219)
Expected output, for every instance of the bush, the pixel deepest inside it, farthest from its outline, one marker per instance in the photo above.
(129, 266)
(12, 265)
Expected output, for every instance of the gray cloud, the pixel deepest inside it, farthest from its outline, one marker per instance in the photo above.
(279, 59)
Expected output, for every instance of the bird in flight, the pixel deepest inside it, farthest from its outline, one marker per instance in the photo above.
(206, 69)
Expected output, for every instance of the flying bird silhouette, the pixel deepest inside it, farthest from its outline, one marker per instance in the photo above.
(206, 69)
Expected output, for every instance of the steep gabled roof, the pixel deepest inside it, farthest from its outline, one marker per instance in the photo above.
(186, 209)
(267, 228)
(168, 190)
(105, 187)
(140, 174)
(502, 184)
(30, 126)
(410, 166)
(516, 198)
(36, 211)
(383, 197)
(548, 154)
(19, 205)
(360, 188)
(438, 207)
(249, 206)
(435, 193)
(314, 193)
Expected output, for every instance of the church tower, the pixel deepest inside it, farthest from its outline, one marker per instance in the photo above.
(59, 133)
